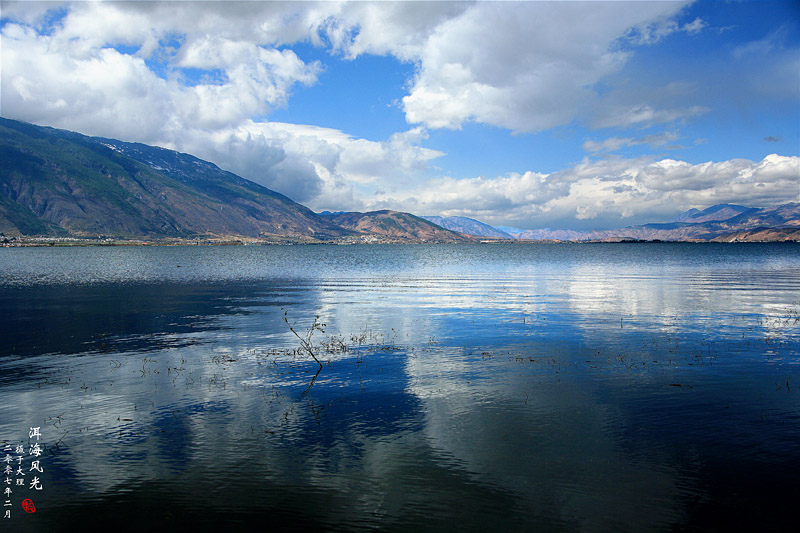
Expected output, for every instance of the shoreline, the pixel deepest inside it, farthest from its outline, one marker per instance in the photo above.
(43, 242)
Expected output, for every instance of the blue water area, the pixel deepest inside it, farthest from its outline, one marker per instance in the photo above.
(592, 387)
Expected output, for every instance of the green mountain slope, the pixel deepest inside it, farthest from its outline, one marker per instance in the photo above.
(54, 182)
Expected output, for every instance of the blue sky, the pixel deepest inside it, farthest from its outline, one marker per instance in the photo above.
(527, 114)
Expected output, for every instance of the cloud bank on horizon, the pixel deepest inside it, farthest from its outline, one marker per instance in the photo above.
(528, 114)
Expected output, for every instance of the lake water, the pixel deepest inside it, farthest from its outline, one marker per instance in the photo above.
(592, 387)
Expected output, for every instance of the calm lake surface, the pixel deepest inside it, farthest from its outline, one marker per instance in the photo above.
(593, 387)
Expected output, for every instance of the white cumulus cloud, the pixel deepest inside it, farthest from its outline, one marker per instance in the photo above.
(523, 66)
(203, 77)
(323, 168)
(194, 76)
(606, 193)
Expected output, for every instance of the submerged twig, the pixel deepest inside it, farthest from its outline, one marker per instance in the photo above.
(306, 343)
(311, 383)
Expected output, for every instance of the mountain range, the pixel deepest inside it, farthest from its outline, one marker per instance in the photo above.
(61, 184)
(56, 183)
(398, 225)
(715, 213)
(721, 222)
(468, 226)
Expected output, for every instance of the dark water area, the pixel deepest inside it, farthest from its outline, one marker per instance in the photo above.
(607, 387)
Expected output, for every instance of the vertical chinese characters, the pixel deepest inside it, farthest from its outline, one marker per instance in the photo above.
(8, 471)
(15, 472)
(35, 452)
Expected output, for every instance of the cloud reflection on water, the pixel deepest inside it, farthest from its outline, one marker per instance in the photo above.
(554, 386)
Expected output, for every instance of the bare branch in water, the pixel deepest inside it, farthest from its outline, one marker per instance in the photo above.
(306, 342)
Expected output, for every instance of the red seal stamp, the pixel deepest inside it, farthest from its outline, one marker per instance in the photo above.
(27, 505)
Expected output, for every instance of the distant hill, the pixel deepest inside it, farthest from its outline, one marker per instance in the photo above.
(397, 226)
(720, 223)
(56, 183)
(761, 235)
(778, 217)
(551, 235)
(711, 214)
(786, 215)
(469, 226)
(508, 230)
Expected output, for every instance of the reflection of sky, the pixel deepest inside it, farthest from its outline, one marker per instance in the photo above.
(545, 442)
(508, 392)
